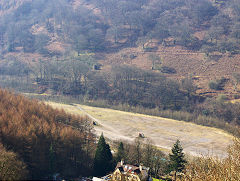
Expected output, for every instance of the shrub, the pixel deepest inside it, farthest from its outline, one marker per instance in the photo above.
(168, 70)
(222, 98)
(209, 168)
(132, 56)
(213, 85)
(11, 168)
(218, 84)
(236, 96)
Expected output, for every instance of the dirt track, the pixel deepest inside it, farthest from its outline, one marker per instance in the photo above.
(118, 125)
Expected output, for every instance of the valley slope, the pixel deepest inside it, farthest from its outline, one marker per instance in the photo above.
(119, 125)
(197, 39)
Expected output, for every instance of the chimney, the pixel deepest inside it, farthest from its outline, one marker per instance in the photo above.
(122, 162)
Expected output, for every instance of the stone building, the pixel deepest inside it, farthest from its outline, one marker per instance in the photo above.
(126, 172)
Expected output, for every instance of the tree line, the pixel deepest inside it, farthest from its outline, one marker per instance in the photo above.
(174, 166)
(124, 84)
(138, 152)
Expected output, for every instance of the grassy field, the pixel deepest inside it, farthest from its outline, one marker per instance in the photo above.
(154, 179)
(195, 139)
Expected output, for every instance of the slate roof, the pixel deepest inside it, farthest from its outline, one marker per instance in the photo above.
(127, 168)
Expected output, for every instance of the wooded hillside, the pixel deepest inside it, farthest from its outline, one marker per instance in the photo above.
(45, 141)
(99, 25)
(179, 38)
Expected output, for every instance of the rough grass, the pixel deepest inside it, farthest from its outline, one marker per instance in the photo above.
(154, 179)
(207, 168)
(195, 63)
(196, 139)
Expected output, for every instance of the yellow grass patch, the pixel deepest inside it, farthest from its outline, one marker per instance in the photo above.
(235, 101)
(196, 139)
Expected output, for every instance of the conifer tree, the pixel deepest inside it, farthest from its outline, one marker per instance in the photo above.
(120, 152)
(52, 159)
(177, 160)
(103, 158)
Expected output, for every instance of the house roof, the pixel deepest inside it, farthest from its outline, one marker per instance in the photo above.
(127, 168)
(121, 169)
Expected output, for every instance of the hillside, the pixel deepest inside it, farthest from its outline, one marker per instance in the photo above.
(198, 41)
(169, 69)
(37, 141)
(178, 55)
(187, 63)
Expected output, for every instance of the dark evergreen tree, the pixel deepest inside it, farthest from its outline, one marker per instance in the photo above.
(52, 159)
(120, 153)
(177, 160)
(103, 158)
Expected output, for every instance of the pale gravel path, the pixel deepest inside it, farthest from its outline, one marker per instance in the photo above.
(108, 131)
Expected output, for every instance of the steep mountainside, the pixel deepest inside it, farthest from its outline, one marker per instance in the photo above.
(188, 38)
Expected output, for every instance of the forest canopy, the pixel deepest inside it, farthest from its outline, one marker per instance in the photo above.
(38, 141)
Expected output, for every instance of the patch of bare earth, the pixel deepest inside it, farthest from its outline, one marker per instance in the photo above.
(56, 47)
(37, 29)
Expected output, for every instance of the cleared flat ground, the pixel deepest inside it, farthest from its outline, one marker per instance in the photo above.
(115, 125)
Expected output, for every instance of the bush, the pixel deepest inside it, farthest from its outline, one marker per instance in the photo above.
(236, 96)
(222, 98)
(149, 49)
(132, 56)
(97, 66)
(209, 168)
(168, 70)
(11, 168)
(213, 85)
(218, 84)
